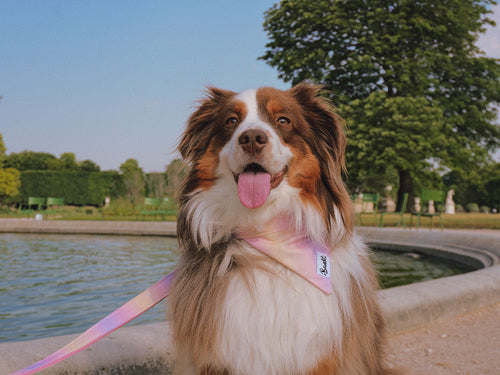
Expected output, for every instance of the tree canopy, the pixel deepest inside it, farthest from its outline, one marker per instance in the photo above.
(2, 150)
(39, 161)
(176, 171)
(130, 166)
(407, 76)
(134, 179)
(9, 177)
(67, 161)
(88, 166)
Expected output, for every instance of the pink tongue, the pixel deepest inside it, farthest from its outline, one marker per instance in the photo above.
(253, 188)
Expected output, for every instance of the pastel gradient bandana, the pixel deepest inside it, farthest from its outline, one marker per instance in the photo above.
(282, 242)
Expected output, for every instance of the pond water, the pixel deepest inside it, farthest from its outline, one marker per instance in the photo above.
(398, 268)
(60, 284)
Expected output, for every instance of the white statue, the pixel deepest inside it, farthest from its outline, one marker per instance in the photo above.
(389, 204)
(449, 207)
(417, 204)
(432, 210)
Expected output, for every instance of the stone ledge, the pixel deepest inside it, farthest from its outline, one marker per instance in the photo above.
(410, 306)
(132, 228)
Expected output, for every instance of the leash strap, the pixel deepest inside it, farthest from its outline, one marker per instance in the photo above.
(121, 316)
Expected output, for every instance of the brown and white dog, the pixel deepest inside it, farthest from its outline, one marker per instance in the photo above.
(234, 310)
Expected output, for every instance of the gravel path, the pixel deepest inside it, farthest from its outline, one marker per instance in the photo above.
(467, 344)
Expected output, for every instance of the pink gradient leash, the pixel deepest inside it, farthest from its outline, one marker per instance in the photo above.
(121, 316)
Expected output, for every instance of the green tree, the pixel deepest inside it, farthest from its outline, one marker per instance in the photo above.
(481, 185)
(10, 178)
(134, 180)
(2, 150)
(155, 185)
(67, 161)
(396, 55)
(393, 133)
(492, 186)
(129, 167)
(29, 160)
(88, 166)
(176, 172)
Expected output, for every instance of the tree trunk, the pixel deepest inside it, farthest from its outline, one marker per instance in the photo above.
(405, 186)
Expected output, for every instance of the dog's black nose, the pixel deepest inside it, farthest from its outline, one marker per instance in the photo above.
(253, 141)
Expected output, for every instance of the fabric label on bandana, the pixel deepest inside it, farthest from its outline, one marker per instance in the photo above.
(323, 265)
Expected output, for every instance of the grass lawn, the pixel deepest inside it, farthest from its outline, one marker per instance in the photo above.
(94, 216)
(462, 220)
(459, 221)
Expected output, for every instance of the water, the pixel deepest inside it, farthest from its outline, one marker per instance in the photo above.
(60, 284)
(395, 268)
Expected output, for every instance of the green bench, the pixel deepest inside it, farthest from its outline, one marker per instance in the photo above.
(36, 202)
(157, 207)
(401, 213)
(54, 205)
(438, 197)
(365, 205)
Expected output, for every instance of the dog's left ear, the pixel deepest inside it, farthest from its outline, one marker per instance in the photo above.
(329, 143)
(326, 125)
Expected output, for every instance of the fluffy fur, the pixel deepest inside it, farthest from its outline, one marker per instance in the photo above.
(236, 311)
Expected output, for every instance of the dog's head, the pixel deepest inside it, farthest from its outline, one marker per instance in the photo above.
(261, 153)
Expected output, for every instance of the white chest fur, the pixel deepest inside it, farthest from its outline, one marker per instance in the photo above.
(282, 324)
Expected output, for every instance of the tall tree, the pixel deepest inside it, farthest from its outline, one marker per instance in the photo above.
(68, 161)
(176, 172)
(29, 160)
(2, 150)
(10, 178)
(10, 181)
(88, 166)
(406, 74)
(134, 180)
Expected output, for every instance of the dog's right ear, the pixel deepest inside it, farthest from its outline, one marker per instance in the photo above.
(196, 138)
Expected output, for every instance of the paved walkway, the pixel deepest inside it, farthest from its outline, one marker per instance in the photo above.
(467, 344)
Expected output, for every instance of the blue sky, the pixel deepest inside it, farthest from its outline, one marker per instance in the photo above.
(112, 80)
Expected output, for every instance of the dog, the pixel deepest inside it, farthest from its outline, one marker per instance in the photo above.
(265, 167)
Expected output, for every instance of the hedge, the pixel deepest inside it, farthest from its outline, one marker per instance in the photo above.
(77, 188)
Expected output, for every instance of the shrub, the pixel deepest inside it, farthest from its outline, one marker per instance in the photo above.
(120, 206)
(459, 208)
(76, 187)
(472, 208)
(484, 209)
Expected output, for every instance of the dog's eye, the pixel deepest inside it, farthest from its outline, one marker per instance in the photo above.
(232, 121)
(282, 120)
